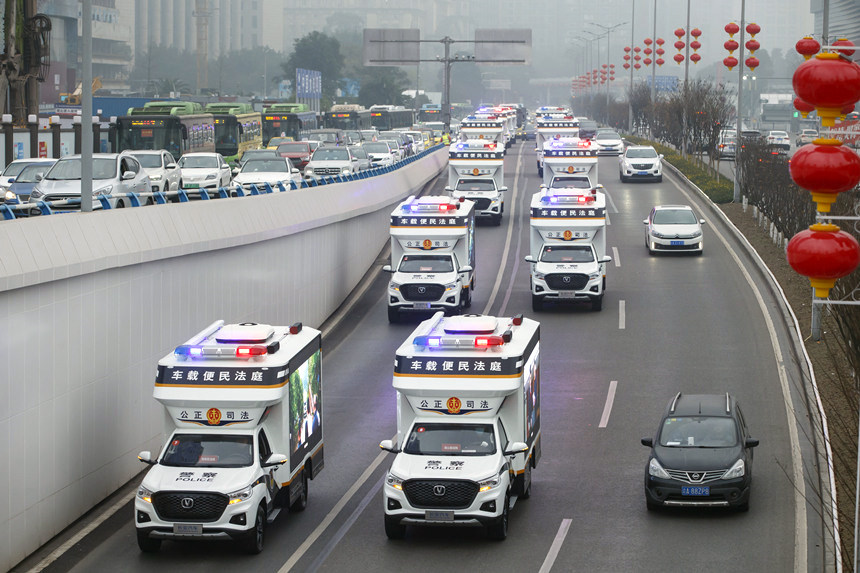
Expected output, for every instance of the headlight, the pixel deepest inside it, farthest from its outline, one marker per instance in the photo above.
(103, 190)
(489, 483)
(540, 276)
(144, 494)
(241, 495)
(394, 286)
(656, 470)
(155, 177)
(309, 171)
(36, 193)
(735, 471)
(696, 234)
(345, 170)
(10, 196)
(211, 176)
(657, 234)
(394, 481)
(451, 286)
(593, 276)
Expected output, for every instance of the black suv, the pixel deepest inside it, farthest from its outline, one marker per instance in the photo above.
(701, 455)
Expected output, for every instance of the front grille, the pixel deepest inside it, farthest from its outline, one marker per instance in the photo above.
(204, 506)
(455, 494)
(481, 204)
(567, 281)
(327, 170)
(696, 477)
(641, 166)
(690, 247)
(422, 292)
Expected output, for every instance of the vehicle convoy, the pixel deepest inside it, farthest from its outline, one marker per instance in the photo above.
(553, 126)
(244, 414)
(570, 162)
(468, 423)
(476, 171)
(488, 128)
(432, 256)
(568, 234)
(508, 117)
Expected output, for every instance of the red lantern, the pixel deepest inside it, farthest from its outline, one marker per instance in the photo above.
(695, 44)
(637, 57)
(844, 42)
(636, 66)
(732, 29)
(823, 253)
(753, 29)
(626, 66)
(659, 51)
(680, 33)
(731, 46)
(679, 45)
(604, 66)
(828, 82)
(660, 41)
(826, 168)
(807, 47)
(846, 109)
(679, 58)
(695, 58)
(805, 108)
(648, 41)
(611, 78)
(695, 32)
(626, 57)
(647, 51)
(637, 49)
(660, 61)
(752, 46)
(730, 62)
(752, 63)
(611, 65)
(647, 61)
(627, 48)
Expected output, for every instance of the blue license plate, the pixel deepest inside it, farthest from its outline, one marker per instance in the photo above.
(641, 173)
(698, 491)
(676, 243)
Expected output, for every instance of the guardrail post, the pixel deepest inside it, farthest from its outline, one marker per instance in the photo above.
(76, 129)
(33, 128)
(8, 135)
(8, 214)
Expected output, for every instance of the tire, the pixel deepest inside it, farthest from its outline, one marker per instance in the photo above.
(393, 528)
(466, 298)
(393, 315)
(597, 304)
(499, 529)
(650, 505)
(540, 171)
(622, 178)
(253, 541)
(527, 493)
(659, 179)
(302, 501)
(120, 204)
(537, 303)
(497, 220)
(146, 544)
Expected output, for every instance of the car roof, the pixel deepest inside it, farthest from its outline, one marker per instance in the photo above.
(145, 151)
(701, 405)
(202, 154)
(641, 147)
(670, 207)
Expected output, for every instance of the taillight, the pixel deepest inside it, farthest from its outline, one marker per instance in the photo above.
(246, 351)
(487, 341)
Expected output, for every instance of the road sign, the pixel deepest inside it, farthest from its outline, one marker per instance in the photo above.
(504, 47)
(391, 46)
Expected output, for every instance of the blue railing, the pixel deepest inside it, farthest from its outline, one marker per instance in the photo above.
(106, 202)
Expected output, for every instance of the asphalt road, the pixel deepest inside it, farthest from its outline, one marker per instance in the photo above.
(669, 323)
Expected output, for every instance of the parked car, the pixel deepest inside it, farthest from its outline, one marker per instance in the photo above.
(673, 228)
(331, 161)
(22, 184)
(361, 155)
(161, 168)
(204, 170)
(113, 175)
(270, 170)
(806, 136)
(379, 153)
(640, 162)
(298, 152)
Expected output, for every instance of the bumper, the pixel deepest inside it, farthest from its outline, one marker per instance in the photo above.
(484, 510)
(236, 521)
(723, 493)
(609, 151)
(647, 174)
(449, 302)
(592, 290)
(680, 245)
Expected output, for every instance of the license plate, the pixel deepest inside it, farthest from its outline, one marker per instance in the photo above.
(566, 294)
(641, 173)
(676, 243)
(696, 490)
(439, 515)
(192, 185)
(421, 305)
(187, 528)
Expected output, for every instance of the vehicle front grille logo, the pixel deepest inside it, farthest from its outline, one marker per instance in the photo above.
(439, 490)
(187, 502)
(565, 279)
(695, 476)
(422, 290)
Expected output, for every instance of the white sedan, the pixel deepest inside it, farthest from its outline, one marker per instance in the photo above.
(778, 139)
(203, 170)
(272, 171)
(161, 168)
(673, 228)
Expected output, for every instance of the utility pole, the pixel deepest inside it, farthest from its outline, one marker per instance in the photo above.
(609, 29)
(739, 146)
(686, 79)
(632, 43)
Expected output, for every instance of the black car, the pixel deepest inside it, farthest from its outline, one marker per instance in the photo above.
(587, 129)
(701, 455)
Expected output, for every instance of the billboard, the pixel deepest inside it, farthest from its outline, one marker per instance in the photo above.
(391, 46)
(501, 46)
(305, 409)
(308, 83)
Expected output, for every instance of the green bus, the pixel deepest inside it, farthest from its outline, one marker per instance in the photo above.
(238, 128)
(177, 126)
(291, 120)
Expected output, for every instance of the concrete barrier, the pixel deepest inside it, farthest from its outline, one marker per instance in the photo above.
(90, 301)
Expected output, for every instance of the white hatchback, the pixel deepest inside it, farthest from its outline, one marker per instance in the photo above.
(673, 228)
(161, 168)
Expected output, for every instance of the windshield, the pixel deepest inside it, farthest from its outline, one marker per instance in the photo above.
(198, 162)
(476, 185)
(294, 148)
(330, 154)
(699, 432)
(674, 217)
(451, 440)
(567, 254)
(642, 152)
(151, 160)
(13, 169)
(28, 174)
(68, 169)
(608, 135)
(265, 165)
(570, 183)
(327, 137)
(258, 154)
(426, 264)
(378, 147)
(778, 134)
(359, 152)
(209, 451)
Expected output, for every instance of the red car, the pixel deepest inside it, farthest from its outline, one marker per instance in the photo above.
(298, 152)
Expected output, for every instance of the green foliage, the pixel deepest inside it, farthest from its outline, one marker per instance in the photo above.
(382, 85)
(320, 52)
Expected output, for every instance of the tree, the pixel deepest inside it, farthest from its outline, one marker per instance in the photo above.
(320, 52)
(168, 85)
(382, 85)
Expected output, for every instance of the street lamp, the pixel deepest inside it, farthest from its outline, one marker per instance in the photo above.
(608, 29)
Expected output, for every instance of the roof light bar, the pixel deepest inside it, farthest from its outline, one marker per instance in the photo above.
(248, 351)
(487, 341)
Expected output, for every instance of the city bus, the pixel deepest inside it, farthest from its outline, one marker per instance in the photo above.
(388, 117)
(237, 129)
(350, 117)
(177, 126)
(291, 120)
(430, 112)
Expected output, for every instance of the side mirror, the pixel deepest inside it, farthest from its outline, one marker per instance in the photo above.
(645, 221)
(660, 156)
(516, 448)
(235, 171)
(11, 180)
(294, 170)
(170, 166)
(387, 269)
(529, 259)
(502, 189)
(750, 443)
(389, 446)
(466, 269)
(39, 177)
(146, 457)
(225, 166)
(701, 221)
(647, 442)
(126, 175)
(275, 460)
(605, 259)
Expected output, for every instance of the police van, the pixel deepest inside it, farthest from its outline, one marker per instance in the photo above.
(489, 128)
(468, 423)
(570, 162)
(549, 127)
(568, 246)
(507, 115)
(432, 256)
(476, 171)
(244, 408)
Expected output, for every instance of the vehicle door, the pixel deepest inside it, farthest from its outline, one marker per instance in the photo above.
(171, 175)
(224, 174)
(265, 450)
(135, 184)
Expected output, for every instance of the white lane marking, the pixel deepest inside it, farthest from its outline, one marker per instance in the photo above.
(616, 258)
(556, 546)
(511, 218)
(607, 408)
(300, 552)
(611, 202)
(800, 530)
(622, 319)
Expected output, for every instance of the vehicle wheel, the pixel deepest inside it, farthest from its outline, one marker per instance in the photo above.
(302, 501)
(537, 303)
(120, 204)
(652, 506)
(466, 298)
(181, 184)
(527, 476)
(393, 529)
(659, 179)
(497, 220)
(621, 177)
(253, 540)
(597, 304)
(146, 544)
(499, 529)
(393, 315)
(540, 171)
(744, 507)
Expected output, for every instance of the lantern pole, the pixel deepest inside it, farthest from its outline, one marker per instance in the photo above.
(737, 187)
(630, 88)
(654, 71)
(825, 40)
(686, 79)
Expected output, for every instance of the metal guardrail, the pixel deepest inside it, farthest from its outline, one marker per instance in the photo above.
(103, 202)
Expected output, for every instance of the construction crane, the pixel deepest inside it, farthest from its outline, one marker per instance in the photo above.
(201, 13)
(74, 98)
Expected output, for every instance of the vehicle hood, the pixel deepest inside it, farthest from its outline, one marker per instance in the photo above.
(430, 278)
(296, 154)
(329, 163)
(584, 268)
(701, 459)
(196, 174)
(22, 188)
(70, 186)
(155, 171)
(671, 230)
(641, 161)
(221, 480)
(270, 177)
(608, 142)
(473, 468)
(380, 156)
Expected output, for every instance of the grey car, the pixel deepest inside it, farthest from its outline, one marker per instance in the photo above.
(363, 160)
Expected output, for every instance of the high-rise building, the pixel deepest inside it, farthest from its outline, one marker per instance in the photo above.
(844, 19)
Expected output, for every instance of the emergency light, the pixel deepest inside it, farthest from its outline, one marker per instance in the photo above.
(459, 341)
